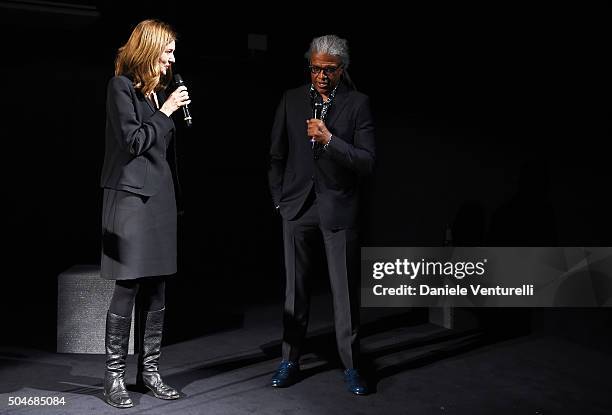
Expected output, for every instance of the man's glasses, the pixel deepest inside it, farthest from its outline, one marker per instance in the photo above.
(328, 70)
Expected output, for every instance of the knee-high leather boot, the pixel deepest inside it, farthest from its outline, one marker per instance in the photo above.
(116, 344)
(152, 325)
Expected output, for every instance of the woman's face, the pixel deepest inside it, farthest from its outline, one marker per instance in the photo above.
(167, 58)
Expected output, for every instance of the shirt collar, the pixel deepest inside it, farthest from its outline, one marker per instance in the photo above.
(329, 100)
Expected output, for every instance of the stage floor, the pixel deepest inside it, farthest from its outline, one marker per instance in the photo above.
(413, 369)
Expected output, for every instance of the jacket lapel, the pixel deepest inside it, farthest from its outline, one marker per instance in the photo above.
(306, 104)
(338, 105)
(161, 97)
(150, 104)
(304, 112)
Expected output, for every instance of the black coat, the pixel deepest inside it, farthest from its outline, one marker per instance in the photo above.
(139, 206)
(137, 136)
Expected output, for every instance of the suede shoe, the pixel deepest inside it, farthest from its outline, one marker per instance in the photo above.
(286, 374)
(354, 382)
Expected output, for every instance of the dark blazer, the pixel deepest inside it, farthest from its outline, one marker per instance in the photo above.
(337, 172)
(137, 136)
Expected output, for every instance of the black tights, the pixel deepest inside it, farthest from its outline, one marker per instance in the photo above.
(150, 292)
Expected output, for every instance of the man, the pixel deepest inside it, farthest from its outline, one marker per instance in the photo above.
(322, 144)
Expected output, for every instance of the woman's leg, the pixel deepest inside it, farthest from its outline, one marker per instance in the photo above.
(118, 324)
(153, 293)
(152, 300)
(124, 295)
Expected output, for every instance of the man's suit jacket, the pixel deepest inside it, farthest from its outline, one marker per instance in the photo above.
(336, 174)
(137, 137)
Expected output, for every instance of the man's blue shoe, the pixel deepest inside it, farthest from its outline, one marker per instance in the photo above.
(354, 382)
(286, 374)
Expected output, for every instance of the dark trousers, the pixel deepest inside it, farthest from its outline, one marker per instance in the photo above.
(342, 252)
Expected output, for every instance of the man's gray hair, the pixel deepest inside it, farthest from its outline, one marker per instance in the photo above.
(331, 45)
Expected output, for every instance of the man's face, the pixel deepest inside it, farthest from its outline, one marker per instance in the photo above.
(325, 72)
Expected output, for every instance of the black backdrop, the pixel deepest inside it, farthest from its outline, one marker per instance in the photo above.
(486, 122)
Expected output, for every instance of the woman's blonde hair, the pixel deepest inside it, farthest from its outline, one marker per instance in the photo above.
(139, 57)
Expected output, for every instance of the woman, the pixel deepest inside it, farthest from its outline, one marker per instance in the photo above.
(139, 207)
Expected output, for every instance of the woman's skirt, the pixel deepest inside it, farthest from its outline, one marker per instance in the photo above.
(139, 233)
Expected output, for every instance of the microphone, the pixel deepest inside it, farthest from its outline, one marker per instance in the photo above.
(317, 110)
(178, 80)
(317, 107)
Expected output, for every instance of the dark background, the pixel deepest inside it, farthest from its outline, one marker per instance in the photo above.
(488, 121)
